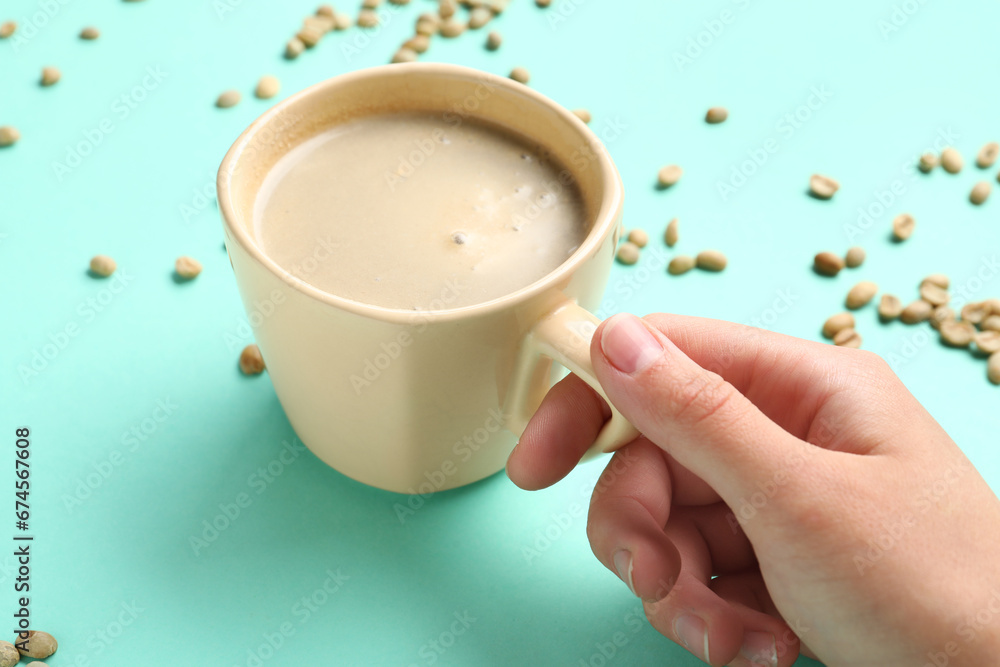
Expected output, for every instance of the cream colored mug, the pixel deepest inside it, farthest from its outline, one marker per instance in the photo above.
(416, 402)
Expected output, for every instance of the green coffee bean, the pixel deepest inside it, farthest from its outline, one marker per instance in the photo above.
(980, 191)
(916, 312)
(827, 264)
(957, 333)
(267, 87)
(993, 368)
(927, 162)
(7, 29)
(847, 338)
(716, 115)
(520, 75)
(8, 135)
(628, 253)
(494, 40)
(681, 264)
(102, 265)
(951, 160)
(583, 115)
(855, 257)
(251, 361)
(902, 226)
(837, 323)
(36, 644)
(672, 234)
(890, 307)
(669, 175)
(933, 294)
(639, 237)
(988, 155)
(50, 76)
(229, 98)
(404, 55)
(294, 48)
(187, 268)
(823, 187)
(711, 260)
(987, 342)
(861, 294)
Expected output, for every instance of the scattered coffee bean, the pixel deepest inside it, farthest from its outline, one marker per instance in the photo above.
(36, 644)
(827, 264)
(341, 21)
(90, 33)
(980, 191)
(319, 23)
(988, 155)
(399, 2)
(639, 237)
(447, 8)
(9, 655)
(7, 29)
(916, 312)
(8, 135)
(367, 18)
(823, 187)
(927, 162)
(680, 264)
(294, 48)
(890, 307)
(583, 115)
(267, 87)
(494, 40)
(187, 268)
(951, 160)
(428, 24)
(861, 294)
(987, 342)
(326, 10)
(711, 260)
(669, 175)
(479, 17)
(976, 312)
(102, 265)
(855, 257)
(991, 323)
(673, 233)
(50, 75)
(628, 253)
(956, 333)
(404, 55)
(418, 43)
(993, 368)
(940, 315)
(938, 279)
(229, 98)
(251, 362)
(933, 294)
(543, 3)
(520, 75)
(716, 115)
(902, 226)
(847, 338)
(837, 323)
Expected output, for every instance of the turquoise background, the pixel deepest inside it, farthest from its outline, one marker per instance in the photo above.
(116, 547)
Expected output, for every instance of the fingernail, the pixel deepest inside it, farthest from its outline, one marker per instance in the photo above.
(623, 564)
(760, 649)
(693, 633)
(628, 345)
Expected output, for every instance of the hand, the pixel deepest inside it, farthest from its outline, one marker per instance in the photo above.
(827, 503)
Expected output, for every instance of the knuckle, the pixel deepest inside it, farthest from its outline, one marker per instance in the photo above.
(703, 397)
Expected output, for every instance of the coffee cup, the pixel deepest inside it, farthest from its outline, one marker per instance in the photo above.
(421, 401)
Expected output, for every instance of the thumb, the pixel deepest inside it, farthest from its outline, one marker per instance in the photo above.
(701, 420)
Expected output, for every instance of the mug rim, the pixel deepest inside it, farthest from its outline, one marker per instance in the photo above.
(610, 207)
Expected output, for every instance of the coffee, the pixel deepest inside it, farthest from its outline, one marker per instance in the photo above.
(419, 211)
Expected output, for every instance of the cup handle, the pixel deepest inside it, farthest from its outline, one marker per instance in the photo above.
(562, 335)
